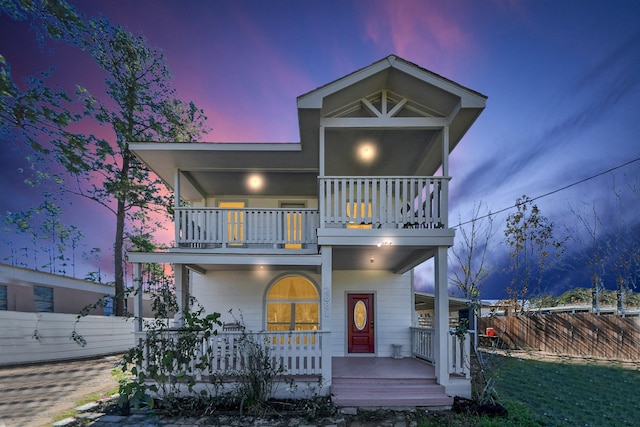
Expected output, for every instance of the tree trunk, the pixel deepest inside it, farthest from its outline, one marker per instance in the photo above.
(118, 260)
(118, 247)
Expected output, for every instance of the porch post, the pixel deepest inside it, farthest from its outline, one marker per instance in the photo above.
(176, 204)
(325, 320)
(441, 306)
(444, 196)
(137, 297)
(414, 313)
(182, 294)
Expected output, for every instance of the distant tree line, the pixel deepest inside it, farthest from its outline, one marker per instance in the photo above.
(584, 296)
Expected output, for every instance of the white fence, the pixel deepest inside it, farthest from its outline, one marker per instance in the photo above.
(41, 337)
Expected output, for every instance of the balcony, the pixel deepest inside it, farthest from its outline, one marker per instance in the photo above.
(383, 202)
(344, 202)
(246, 228)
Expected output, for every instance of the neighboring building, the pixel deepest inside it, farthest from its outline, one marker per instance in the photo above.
(26, 290)
(318, 240)
(32, 291)
(459, 308)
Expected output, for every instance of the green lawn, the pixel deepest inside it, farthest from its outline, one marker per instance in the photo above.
(556, 394)
(571, 394)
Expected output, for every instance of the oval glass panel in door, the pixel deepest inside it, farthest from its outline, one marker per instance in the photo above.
(360, 315)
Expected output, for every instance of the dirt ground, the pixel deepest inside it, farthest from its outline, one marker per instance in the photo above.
(31, 395)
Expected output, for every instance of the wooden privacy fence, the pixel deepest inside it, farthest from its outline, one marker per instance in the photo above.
(576, 334)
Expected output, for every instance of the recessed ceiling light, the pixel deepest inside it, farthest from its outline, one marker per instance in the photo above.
(366, 151)
(255, 182)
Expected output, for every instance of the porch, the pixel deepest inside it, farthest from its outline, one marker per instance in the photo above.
(305, 357)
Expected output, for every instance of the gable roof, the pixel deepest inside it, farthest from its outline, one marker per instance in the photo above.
(432, 94)
(210, 167)
(313, 98)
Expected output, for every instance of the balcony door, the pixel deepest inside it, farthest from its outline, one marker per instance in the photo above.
(360, 324)
(235, 222)
(293, 225)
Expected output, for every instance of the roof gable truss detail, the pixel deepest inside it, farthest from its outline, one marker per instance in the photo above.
(383, 104)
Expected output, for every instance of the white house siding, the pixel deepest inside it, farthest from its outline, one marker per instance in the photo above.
(243, 292)
(392, 308)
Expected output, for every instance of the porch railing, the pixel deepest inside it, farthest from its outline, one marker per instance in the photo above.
(214, 227)
(400, 201)
(459, 354)
(292, 352)
(423, 347)
(422, 343)
(295, 352)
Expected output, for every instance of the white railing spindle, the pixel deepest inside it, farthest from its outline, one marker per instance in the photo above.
(402, 202)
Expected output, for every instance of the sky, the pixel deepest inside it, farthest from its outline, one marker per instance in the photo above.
(562, 80)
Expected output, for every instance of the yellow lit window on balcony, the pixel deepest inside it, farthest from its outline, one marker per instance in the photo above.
(235, 222)
(293, 225)
(360, 211)
(293, 305)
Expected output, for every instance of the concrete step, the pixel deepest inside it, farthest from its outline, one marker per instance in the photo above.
(394, 392)
(440, 402)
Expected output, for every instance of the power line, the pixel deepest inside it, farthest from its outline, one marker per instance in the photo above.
(552, 192)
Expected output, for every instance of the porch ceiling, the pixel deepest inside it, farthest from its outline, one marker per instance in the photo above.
(398, 259)
(394, 258)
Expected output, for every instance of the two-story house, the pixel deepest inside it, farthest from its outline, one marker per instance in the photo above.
(315, 242)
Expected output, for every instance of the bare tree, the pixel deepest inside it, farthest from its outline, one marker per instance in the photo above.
(530, 237)
(592, 242)
(609, 244)
(469, 258)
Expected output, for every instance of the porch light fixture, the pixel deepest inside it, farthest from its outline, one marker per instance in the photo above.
(384, 243)
(255, 182)
(366, 151)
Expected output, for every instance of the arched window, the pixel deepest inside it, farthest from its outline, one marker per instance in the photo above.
(293, 305)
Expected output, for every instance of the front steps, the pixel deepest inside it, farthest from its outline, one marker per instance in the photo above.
(389, 392)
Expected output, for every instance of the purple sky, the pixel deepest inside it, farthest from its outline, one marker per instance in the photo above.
(563, 81)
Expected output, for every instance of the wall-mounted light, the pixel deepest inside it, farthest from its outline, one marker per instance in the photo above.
(384, 243)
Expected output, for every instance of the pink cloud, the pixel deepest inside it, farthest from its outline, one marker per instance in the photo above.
(431, 33)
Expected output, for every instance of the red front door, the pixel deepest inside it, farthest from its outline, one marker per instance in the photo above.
(360, 323)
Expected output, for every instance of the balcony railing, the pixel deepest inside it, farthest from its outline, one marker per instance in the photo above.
(275, 228)
(365, 202)
(396, 202)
